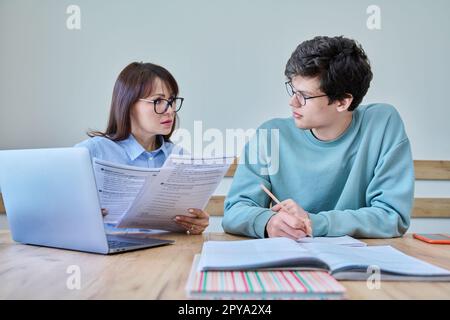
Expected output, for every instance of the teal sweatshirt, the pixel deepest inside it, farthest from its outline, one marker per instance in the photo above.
(360, 184)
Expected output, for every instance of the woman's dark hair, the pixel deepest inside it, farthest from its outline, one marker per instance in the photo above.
(340, 64)
(136, 81)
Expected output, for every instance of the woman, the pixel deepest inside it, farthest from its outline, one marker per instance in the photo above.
(141, 120)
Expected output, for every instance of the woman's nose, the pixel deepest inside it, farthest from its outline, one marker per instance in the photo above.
(170, 111)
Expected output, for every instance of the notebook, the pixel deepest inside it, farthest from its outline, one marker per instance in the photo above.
(343, 262)
(262, 284)
(343, 241)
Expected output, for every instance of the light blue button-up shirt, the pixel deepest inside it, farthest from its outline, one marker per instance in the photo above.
(129, 151)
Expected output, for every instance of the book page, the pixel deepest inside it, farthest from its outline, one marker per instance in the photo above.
(255, 254)
(386, 258)
(342, 241)
(182, 183)
(118, 185)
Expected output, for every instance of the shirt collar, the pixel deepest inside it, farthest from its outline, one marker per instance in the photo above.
(134, 149)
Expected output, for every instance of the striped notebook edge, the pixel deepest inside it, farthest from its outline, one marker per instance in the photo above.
(273, 284)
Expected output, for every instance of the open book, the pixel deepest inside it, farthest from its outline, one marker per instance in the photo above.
(144, 198)
(343, 262)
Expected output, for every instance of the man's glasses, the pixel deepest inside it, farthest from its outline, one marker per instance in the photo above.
(162, 105)
(300, 97)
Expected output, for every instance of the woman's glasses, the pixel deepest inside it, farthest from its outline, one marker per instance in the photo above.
(162, 105)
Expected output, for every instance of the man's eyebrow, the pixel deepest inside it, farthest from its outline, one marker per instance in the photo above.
(306, 92)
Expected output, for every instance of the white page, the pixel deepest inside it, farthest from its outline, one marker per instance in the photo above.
(385, 257)
(110, 229)
(250, 253)
(118, 185)
(182, 183)
(343, 241)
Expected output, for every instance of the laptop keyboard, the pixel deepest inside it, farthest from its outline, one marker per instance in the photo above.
(114, 244)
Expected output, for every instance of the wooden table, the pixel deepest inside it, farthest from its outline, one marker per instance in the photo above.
(31, 272)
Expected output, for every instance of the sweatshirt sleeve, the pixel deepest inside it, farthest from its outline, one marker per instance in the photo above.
(390, 195)
(246, 208)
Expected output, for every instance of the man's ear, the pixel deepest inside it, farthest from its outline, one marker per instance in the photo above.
(344, 103)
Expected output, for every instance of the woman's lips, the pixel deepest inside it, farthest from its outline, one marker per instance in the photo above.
(167, 122)
(296, 115)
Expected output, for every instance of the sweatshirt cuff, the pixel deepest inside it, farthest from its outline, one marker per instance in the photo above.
(261, 222)
(319, 225)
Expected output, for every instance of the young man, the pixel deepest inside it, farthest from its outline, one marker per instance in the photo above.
(343, 168)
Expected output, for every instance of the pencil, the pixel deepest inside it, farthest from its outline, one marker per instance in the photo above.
(272, 196)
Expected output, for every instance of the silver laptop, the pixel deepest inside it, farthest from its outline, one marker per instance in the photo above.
(51, 200)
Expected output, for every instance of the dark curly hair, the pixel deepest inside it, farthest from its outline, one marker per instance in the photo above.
(340, 63)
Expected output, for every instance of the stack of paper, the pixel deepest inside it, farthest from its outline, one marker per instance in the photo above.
(280, 284)
(145, 198)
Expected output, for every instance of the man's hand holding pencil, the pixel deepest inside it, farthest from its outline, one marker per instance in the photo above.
(291, 220)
